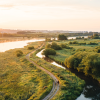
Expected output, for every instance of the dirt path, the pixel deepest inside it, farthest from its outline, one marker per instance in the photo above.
(55, 87)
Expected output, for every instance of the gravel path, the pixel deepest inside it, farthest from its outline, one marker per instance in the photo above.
(55, 87)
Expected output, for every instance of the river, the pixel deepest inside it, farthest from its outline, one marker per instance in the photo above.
(17, 44)
(91, 90)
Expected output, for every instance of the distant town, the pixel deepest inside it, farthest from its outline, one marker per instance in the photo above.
(41, 31)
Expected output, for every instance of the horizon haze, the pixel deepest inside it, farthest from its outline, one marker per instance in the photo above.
(74, 15)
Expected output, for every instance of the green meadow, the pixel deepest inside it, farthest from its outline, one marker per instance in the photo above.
(21, 80)
(83, 55)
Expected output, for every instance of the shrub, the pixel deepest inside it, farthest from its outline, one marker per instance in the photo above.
(49, 51)
(19, 53)
(67, 47)
(74, 42)
(30, 48)
(63, 45)
(74, 60)
(70, 42)
(48, 46)
(62, 37)
(82, 43)
(31, 65)
(92, 43)
(55, 46)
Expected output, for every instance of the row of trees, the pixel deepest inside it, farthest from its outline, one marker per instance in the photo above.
(85, 62)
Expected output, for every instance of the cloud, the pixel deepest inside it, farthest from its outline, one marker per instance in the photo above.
(6, 6)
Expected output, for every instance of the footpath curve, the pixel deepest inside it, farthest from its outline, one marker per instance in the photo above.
(55, 87)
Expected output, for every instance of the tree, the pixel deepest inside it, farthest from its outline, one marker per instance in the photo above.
(95, 36)
(62, 37)
(55, 46)
(49, 51)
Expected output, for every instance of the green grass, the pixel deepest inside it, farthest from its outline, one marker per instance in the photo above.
(70, 85)
(66, 53)
(19, 80)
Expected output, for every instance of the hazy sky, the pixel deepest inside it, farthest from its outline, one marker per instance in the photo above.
(50, 14)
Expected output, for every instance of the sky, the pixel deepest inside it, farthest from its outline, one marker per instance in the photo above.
(72, 15)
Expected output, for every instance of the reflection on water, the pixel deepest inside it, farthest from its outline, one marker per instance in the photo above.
(40, 54)
(91, 91)
(54, 63)
(17, 44)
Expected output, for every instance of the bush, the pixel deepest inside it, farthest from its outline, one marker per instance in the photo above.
(49, 51)
(74, 60)
(55, 46)
(67, 47)
(62, 37)
(31, 65)
(48, 46)
(30, 48)
(74, 42)
(63, 45)
(82, 43)
(19, 53)
(92, 43)
(92, 64)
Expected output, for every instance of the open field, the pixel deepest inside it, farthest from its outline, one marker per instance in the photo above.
(19, 79)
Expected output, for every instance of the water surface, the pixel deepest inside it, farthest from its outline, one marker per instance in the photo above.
(17, 44)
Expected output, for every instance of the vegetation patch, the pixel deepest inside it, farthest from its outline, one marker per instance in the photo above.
(20, 79)
(70, 85)
(84, 58)
(31, 47)
(19, 53)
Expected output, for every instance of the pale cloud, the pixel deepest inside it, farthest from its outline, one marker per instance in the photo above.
(47, 11)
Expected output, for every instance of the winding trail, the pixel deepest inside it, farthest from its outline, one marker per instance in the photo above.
(55, 87)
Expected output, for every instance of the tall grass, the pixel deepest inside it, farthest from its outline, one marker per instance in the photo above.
(19, 80)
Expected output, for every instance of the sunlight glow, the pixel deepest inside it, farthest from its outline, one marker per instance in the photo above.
(33, 12)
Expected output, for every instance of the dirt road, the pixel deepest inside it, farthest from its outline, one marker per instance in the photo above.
(55, 87)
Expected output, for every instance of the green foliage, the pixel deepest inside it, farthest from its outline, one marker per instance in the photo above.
(55, 46)
(97, 49)
(74, 42)
(63, 45)
(62, 37)
(31, 65)
(49, 51)
(48, 46)
(19, 53)
(74, 60)
(95, 36)
(30, 48)
(79, 37)
(69, 82)
(92, 65)
(92, 43)
(82, 43)
(18, 81)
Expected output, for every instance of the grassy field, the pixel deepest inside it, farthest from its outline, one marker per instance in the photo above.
(65, 53)
(77, 48)
(19, 79)
(70, 85)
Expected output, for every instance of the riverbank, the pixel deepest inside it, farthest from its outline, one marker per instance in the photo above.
(70, 85)
(74, 52)
(19, 79)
